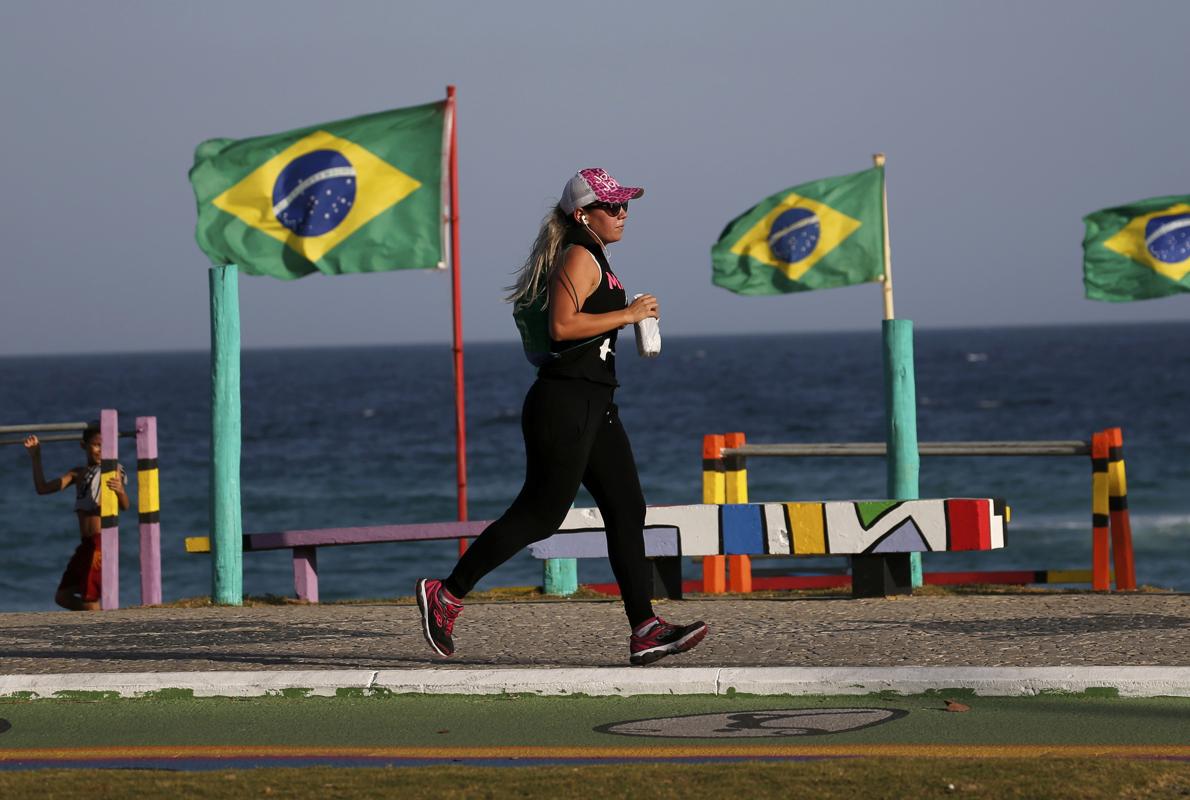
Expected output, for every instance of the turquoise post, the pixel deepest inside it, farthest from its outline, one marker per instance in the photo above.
(227, 568)
(561, 576)
(900, 403)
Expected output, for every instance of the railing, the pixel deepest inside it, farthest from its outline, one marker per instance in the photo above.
(725, 480)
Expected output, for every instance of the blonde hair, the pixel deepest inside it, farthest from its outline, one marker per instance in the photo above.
(534, 274)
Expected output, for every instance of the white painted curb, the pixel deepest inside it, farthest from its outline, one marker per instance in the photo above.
(203, 684)
(987, 681)
(620, 681)
(594, 681)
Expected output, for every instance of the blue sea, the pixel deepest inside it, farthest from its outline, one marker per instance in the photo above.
(365, 436)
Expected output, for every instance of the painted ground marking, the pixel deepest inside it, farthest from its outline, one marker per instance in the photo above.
(748, 724)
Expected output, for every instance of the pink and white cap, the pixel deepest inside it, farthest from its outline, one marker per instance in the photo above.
(593, 185)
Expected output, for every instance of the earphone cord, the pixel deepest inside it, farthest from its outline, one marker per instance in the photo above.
(570, 284)
(602, 246)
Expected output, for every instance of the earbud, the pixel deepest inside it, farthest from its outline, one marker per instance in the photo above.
(584, 219)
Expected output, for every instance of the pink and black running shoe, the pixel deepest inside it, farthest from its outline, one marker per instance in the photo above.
(439, 610)
(655, 639)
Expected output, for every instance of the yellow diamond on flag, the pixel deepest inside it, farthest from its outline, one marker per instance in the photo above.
(1157, 240)
(795, 235)
(316, 193)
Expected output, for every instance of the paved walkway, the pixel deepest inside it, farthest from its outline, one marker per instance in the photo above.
(1025, 630)
(373, 661)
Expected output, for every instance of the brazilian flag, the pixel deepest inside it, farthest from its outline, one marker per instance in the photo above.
(1138, 251)
(817, 235)
(357, 195)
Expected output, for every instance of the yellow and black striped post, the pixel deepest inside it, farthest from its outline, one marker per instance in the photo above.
(714, 492)
(109, 511)
(148, 506)
(1121, 525)
(739, 568)
(1100, 577)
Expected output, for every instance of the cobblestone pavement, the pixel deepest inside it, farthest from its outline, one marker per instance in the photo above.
(979, 630)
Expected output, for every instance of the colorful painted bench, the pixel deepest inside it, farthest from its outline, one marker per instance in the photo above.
(671, 532)
(855, 528)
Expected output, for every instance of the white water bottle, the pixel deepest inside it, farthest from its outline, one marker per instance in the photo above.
(648, 336)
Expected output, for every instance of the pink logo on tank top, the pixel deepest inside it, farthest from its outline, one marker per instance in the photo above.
(613, 282)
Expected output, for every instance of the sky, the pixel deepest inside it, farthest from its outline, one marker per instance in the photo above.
(1003, 123)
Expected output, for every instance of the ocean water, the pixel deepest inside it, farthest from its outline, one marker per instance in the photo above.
(364, 436)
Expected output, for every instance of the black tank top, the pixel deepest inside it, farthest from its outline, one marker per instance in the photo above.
(593, 360)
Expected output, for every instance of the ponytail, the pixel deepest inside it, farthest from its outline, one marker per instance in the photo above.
(534, 274)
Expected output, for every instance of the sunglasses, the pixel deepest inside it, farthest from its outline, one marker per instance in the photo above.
(610, 208)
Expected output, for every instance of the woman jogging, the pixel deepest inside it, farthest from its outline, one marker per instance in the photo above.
(572, 431)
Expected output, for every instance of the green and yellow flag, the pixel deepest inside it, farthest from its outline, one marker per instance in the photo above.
(1138, 251)
(817, 235)
(357, 195)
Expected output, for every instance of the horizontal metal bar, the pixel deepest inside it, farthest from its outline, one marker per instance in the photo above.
(41, 439)
(47, 426)
(62, 438)
(1038, 448)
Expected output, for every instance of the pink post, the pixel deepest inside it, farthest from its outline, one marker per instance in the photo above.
(109, 510)
(305, 573)
(148, 503)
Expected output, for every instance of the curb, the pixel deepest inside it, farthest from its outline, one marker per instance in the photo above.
(616, 681)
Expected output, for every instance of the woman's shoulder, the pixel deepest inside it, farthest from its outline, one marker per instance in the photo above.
(577, 255)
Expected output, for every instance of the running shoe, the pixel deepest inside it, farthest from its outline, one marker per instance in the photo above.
(438, 614)
(656, 638)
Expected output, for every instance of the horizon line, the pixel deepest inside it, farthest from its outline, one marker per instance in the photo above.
(507, 341)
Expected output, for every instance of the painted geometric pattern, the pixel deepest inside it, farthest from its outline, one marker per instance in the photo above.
(798, 528)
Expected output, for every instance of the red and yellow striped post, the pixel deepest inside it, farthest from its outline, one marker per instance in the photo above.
(739, 568)
(1121, 525)
(714, 492)
(1100, 577)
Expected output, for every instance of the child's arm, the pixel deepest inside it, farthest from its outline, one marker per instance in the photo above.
(33, 447)
(116, 484)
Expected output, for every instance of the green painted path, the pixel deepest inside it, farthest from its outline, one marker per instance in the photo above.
(406, 729)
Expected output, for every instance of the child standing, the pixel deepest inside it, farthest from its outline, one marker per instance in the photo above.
(79, 589)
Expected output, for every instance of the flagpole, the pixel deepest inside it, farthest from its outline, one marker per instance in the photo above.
(878, 160)
(457, 313)
(227, 541)
(900, 392)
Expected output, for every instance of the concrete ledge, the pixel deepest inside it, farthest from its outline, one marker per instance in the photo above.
(987, 681)
(595, 681)
(202, 684)
(619, 681)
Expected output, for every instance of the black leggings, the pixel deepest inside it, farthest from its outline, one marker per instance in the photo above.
(572, 435)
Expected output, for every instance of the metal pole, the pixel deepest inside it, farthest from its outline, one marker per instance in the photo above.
(49, 426)
(456, 296)
(974, 448)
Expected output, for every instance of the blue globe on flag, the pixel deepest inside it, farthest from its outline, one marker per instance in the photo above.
(794, 234)
(314, 193)
(1168, 238)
